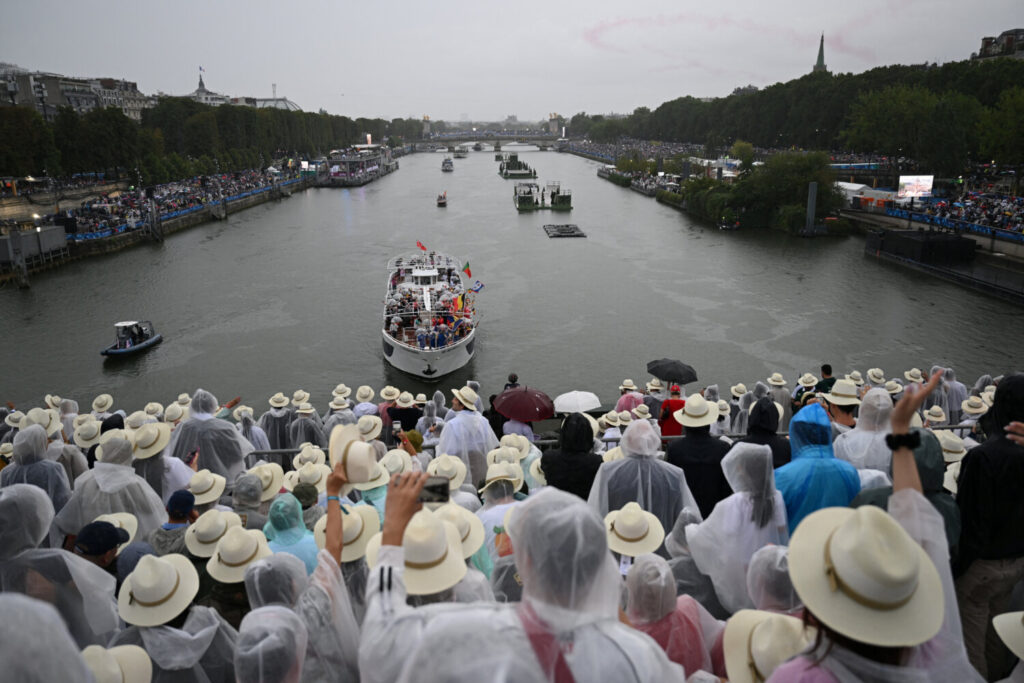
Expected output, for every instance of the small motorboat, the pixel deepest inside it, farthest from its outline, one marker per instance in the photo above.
(442, 200)
(132, 336)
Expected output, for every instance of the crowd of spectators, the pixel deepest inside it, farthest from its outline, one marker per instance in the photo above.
(1005, 212)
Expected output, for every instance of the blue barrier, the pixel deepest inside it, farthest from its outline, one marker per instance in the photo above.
(954, 224)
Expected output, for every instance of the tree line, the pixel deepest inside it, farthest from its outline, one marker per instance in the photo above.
(178, 138)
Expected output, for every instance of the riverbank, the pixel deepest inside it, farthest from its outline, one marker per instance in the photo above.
(23, 207)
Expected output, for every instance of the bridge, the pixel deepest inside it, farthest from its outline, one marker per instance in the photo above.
(496, 138)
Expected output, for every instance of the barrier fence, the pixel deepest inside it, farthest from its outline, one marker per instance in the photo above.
(954, 224)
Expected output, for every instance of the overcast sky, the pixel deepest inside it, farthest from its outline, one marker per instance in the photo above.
(483, 59)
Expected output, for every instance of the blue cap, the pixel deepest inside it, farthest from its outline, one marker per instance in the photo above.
(180, 503)
(97, 538)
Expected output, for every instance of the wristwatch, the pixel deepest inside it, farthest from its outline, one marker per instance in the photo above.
(897, 441)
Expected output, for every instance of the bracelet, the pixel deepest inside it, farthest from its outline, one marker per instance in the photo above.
(330, 498)
(897, 441)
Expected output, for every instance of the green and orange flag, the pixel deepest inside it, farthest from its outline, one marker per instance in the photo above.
(466, 270)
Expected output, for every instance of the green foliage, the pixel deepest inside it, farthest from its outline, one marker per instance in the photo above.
(744, 151)
(26, 143)
(790, 217)
(1002, 131)
(666, 197)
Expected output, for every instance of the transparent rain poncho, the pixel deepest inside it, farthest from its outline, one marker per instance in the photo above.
(956, 393)
(271, 646)
(814, 479)
(438, 401)
(246, 499)
(683, 629)
(469, 437)
(222, 449)
(338, 418)
(35, 646)
(30, 467)
(428, 420)
(69, 456)
(274, 423)
(939, 397)
(768, 582)
(112, 486)
(739, 525)
(864, 446)
(739, 423)
(688, 577)
(81, 591)
(68, 413)
(286, 531)
(979, 386)
(275, 580)
(305, 430)
(252, 432)
(201, 651)
(657, 486)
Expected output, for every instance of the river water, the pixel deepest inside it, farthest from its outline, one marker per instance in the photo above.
(288, 294)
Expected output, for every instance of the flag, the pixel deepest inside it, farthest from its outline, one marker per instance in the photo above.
(420, 245)
(458, 303)
(477, 287)
(466, 270)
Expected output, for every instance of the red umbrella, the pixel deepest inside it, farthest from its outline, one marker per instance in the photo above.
(524, 404)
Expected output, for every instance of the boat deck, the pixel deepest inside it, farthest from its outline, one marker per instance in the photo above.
(566, 230)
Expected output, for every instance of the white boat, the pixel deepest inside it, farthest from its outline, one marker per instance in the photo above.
(429, 319)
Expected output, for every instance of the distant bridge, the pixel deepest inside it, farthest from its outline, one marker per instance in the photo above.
(450, 139)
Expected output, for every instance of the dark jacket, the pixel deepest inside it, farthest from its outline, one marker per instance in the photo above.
(700, 456)
(989, 488)
(406, 416)
(762, 426)
(573, 467)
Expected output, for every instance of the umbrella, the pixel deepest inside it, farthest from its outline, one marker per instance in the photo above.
(672, 371)
(576, 402)
(524, 404)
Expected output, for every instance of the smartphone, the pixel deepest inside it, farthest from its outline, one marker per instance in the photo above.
(435, 490)
(396, 427)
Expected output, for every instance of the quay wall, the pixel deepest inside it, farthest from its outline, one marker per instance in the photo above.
(22, 207)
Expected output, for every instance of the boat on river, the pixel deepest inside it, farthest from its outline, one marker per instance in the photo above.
(447, 165)
(478, 147)
(442, 200)
(429, 318)
(132, 336)
(529, 197)
(461, 152)
(512, 167)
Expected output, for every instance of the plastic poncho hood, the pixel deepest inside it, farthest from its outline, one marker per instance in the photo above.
(38, 643)
(284, 521)
(275, 580)
(271, 646)
(864, 446)
(25, 517)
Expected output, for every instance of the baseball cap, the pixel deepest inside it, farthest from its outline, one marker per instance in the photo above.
(180, 503)
(674, 389)
(97, 538)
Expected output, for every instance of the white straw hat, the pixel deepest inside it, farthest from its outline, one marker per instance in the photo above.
(469, 526)
(309, 473)
(862, 575)
(738, 390)
(379, 476)
(158, 590)
(300, 397)
(697, 412)
(184, 400)
(52, 401)
(304, 409)
(271, 479)
(1010, 627)
(121, 520)
(237, 412)
(47, 418)
(642, 412)
(235, 552)
(202, 536)
(82, 418)
(136, 420)
(951, 476)
(467, 397)
(433, 554)
(843, 393)
(633, 531)
(421, 399)
(396, 461)
(338, 403)
(756, 643)
(628, 385)
(206, 486)
(537, 472)
(358, 459)
(150, 439)
(502, 454)
(613, 454)
(103, 403)
(953, 449)
(724, 409)
(364, 394)
(14, 419)
(518, 442)
(974, 406)
(611, 418)
(935, 415)
(341, 391)
(807, 380)
(369, 427)
(87, 434)
(7, 450)
(893, 387)
(503, 471)
(655, 385)
(876, 376)
(625, 417)
(405, 400)
(311, 454)
(154, 409)
(777, 380)
(856, 378)
(107, 436)
(121, 664)
(361, 523)
(914, 375)
(278, 400)
(173, 412)
(449, 466)
(390, 393)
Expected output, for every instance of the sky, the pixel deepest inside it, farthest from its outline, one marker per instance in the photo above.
(483, 60)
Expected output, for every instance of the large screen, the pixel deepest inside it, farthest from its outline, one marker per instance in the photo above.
(915, 186)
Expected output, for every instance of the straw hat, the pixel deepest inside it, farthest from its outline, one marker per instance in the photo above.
(107, 436)
(950, 477)
(52, 401)
(433, 554)
(756, 643)
(235, 552)
(364, 394)
(724, 408)
(103, 403)
(300, 397)
(341, 391)
(237, 412)
(338, 403)
(158, 590)
(502, 454)
(310, 473)
(201, 537)
(876, 376)
(405, 400)
(807, 380)
(278, 400)
(87, 434)
(627, 384)
(46, 418)
(844, 393)
(856, 378)
(184, 400)
(369, 427)
(642, 412)
(357, 457)
(633, 531)
(625, 417)
(864, 577)
(82, 418)
(150, 439)
(613, 454)
(304, 409)
(1010, 627)
(953, 449)
(361, 523)
(697, 412)
(914, 375)
(7, 450)
(471, 529)
(989, 397)
(517, 441)
(271, 479)
(467, 397)
(396, 461)
(206, 486)
(974, 405)
(309, 454)
(14, 419)
(537, 473)
(390, 393)
(378, 476)
(421, 399)
(776, 380)
(136, 420)
(122, 520)
(893, 387)
(448, 466)
(503, 471)
(655, 385)
(154, 409)
(122, 664)
(611, 418)
(738, 390)
(173, 412)
(935, 415)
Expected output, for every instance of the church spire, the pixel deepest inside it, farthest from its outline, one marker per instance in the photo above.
(820, 64)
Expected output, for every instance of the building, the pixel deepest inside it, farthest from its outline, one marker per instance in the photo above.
(554, 123)
(265, 103)
(820, 64)
(46, 93)
(1008, 44)
(201, 94)
(122, 94)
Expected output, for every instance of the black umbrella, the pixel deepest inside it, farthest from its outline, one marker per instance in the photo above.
(672, 371)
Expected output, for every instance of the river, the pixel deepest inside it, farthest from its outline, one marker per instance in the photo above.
(287, 295)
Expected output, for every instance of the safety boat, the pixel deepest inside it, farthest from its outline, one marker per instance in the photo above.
(132, 336)
(429, 319)
(442, 200)
(447, 165)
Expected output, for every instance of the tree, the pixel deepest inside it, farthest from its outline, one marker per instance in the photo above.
(1002, 132)
(26, 143)
(744, 151)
